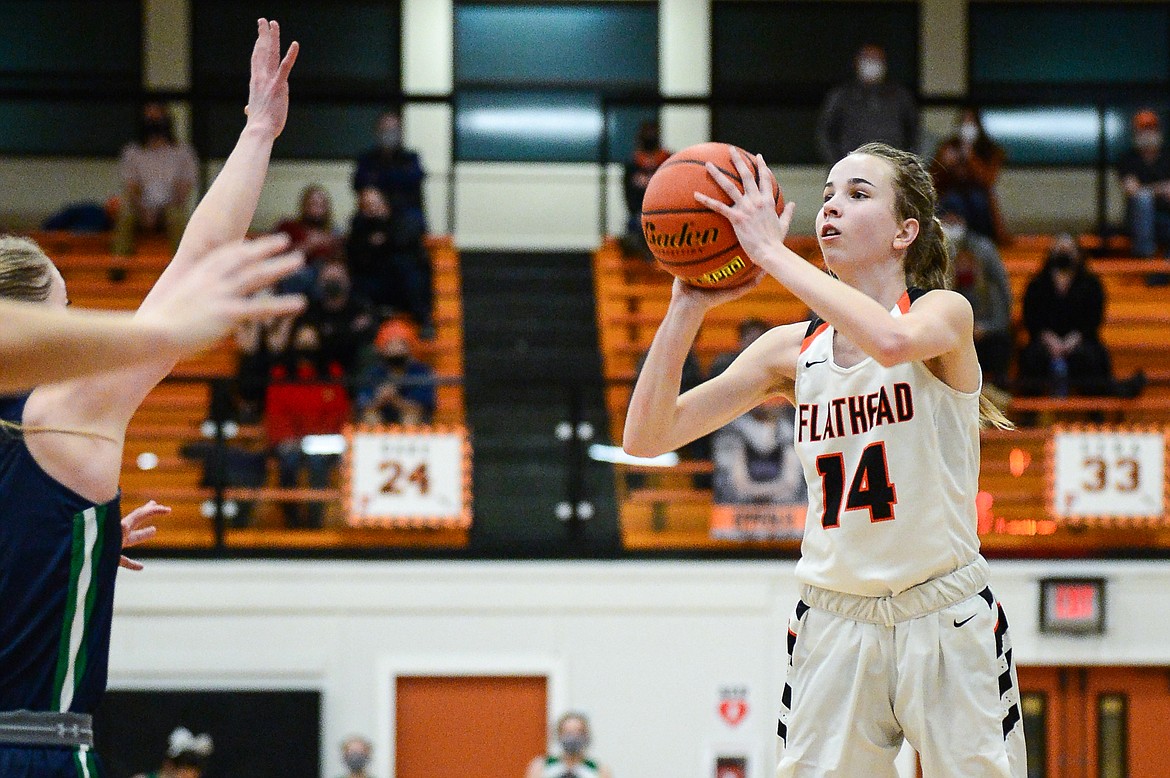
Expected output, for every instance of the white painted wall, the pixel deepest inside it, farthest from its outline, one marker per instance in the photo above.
(644, 647)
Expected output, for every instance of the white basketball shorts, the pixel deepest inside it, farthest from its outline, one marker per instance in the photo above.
(932, 665)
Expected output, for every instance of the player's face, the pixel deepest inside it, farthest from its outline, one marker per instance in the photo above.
(857, 223)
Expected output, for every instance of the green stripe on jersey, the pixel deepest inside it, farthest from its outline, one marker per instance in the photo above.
(87, 532)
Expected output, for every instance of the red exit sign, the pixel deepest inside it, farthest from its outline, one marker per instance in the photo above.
(1075, 605)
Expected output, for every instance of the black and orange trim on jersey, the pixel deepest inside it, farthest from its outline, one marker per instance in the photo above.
(819, 325)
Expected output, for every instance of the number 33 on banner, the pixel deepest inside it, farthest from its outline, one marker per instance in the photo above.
(1109, 475)
(408, 477)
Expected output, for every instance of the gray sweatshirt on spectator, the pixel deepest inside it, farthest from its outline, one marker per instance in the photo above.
(857, 113)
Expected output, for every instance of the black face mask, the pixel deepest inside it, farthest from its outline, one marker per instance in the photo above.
(333, 289)
(156, 128)
(648, 142)
(1063, 260)
(397, 362)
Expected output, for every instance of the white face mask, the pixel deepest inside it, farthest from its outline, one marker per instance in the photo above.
(871, 70)
(969, 133)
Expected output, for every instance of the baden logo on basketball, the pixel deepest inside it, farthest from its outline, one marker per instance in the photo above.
(685, 237)
(719, 274)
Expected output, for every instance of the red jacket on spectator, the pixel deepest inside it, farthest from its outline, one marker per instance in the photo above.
(305, 405)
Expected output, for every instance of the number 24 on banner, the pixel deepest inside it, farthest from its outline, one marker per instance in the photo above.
(408, 477)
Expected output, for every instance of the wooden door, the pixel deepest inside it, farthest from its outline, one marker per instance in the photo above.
(1095, 722)
(481, 726)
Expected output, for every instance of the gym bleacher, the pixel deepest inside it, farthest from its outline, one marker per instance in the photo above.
(174, 414)
(663, 509)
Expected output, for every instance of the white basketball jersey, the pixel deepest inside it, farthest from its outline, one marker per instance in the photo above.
(891, 457)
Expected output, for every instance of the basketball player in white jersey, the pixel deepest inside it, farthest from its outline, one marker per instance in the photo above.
(897, 635)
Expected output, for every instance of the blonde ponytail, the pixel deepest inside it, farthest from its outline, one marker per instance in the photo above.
(928, 260)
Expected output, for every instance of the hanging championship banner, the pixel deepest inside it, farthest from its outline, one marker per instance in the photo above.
(1108, 475)
(407, 477)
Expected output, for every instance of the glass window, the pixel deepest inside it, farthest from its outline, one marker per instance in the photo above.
(605, 45)
(1057, 135)
(1112, 736)
(1069, 44)
(313, 130)
(63, 45)
(95, 128)
(348, 46)
(797, 51)
(544, 125)
(532, 80)
(784, 135)
(1035, 707)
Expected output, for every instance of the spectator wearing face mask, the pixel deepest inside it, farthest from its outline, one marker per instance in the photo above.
(343, 320)
(387, 261)
(980, 276)
(868, 108)
(355, 754)
(1144, 172)
(187, 755)
(965, 169)
(306, 396)
(396, 388)
(1064, 306)
(572, 761)
(647, 157)
(158, 175)
(394, 170)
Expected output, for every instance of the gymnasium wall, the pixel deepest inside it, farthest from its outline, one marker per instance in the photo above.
(644, 647)
(545, 206)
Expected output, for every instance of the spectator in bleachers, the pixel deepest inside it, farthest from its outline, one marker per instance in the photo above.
(257, 344)
(313, 234)
(158, 175)
(1064, 307)
(393, 170)
(748, 331)
(355, 753)
(397, 388)
(306, 396)
(965, 169)
(342, 319)
(868, 108)
(755, 458)
(388, 263)
(980, 276)
(648, 156)
(187, 755)
(1144, 172)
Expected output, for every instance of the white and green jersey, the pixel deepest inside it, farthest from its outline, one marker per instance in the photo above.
(556, 767)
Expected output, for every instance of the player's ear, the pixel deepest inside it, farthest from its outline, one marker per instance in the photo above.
(906, 234)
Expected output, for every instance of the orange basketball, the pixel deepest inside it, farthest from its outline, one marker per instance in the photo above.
(689, 240)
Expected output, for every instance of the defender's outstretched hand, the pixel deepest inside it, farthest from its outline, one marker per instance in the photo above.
(268, 87)
(218, 293)
(132, 534)
(752, 212)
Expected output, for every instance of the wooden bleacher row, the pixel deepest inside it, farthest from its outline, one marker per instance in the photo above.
(172, 414)
(668, 511)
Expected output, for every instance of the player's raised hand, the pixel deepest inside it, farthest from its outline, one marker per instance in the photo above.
(268, 88)
(752, 212)
(219, 292)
